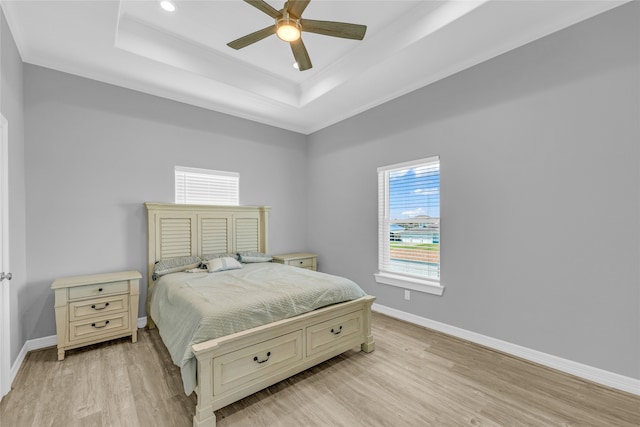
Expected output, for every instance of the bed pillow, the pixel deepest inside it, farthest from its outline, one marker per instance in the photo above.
(252, 256)
(207, 257)
(222, 264)
(172, 265)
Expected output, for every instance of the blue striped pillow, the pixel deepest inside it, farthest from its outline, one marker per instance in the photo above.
(172, 265)
(207, 257)
(252, 256)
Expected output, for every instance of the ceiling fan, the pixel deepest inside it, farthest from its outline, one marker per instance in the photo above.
(289, 25)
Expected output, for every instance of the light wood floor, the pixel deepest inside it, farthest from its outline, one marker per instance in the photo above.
(416, 377)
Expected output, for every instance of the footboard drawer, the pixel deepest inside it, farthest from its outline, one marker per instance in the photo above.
(241, 368)
(335, 332)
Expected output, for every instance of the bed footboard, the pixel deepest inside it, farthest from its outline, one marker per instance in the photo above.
(235, 366)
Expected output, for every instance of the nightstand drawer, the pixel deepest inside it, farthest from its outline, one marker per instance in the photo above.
(104, 325)
(303, 263)
(98, 307)
(298, 259)
(98, 289)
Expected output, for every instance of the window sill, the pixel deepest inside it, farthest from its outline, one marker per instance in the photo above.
(420, 285)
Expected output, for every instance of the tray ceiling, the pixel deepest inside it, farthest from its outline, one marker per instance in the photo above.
(183, 55)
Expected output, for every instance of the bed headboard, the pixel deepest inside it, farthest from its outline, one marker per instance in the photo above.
(183, 230)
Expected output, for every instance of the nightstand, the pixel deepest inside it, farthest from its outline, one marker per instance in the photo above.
(301, 259)
(95, 308)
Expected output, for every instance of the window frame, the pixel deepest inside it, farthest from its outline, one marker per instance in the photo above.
(219, 178)
(405, 281)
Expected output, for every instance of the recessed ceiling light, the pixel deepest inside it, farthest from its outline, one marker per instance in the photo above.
(168, 5)
(295, 65)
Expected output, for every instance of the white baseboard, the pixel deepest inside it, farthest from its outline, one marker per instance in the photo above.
(40, 343)
(600, 376)
(30, 345)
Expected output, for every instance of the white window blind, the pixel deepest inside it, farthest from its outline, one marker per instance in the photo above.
(409, 220)
(206, 187)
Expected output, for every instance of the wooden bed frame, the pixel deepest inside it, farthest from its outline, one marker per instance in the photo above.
(234, 366)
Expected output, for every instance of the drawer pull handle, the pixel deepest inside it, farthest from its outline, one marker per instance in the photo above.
(106, 322)
(106, 304)
(255, 359)
(99, 289)
(337, 331)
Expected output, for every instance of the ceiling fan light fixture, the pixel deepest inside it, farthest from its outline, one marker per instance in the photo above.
(287, 30)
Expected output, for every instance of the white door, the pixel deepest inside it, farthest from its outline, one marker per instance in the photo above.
(5, 275)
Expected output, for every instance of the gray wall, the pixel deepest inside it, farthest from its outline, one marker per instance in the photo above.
(540, 175)
(11, 106)
(95, 152)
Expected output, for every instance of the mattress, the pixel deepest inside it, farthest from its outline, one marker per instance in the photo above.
(189, 308)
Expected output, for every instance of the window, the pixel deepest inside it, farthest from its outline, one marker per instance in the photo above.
(206, 187)
(409, 225)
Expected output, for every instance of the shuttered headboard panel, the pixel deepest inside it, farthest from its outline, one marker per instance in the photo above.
(215, 235)
(247, 233)
(175, 237)
(183, 230)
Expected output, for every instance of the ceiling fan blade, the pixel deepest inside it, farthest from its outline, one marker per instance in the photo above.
(296, 7)
(334, 29)
(252, 38)
(300, 54)
(265, 7)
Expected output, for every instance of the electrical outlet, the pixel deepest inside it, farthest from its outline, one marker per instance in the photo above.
(407, 294)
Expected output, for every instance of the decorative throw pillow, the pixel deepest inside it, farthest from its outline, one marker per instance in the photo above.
(252, 256)
(172, 265)
(222, 264)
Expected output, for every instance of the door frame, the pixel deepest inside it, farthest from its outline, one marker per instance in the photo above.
(5, 333)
